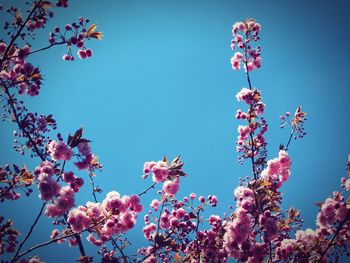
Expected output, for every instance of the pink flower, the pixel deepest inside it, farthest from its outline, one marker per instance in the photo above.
(63, 203)
(171, 187)
(54, 233)
(88, 52)
(243, 132)
(2, 48)
(154, 204)
(245, 95)
(236, 60)
(69, 177)
(33, 90)
(160, 171)
(78, 219)
(59, 151)
(84, 148)
(85, 163)
(82, 53)
(201, 199)
(48, 187)
(67, 57)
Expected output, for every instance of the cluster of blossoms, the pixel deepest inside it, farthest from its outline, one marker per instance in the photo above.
(244, 34)
(171, 230)
(59, 151)
(78, 33)
(251, 143)
(116, 214)
(18, 73)
(278, 169)
(244, 197)
(333, 210)
(167, 173)
(47, 186)
(330, 239)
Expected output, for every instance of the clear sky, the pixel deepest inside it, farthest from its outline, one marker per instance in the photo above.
(160, 83)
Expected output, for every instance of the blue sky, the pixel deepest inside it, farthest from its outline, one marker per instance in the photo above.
(160, 83)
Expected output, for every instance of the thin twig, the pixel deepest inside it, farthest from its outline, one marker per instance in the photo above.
(290, 138)
(16, 256)
(18, 33)
(40, 49)
(55, 240)
(147, 189)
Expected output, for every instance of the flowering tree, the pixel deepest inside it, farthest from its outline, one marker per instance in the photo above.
(176, 230)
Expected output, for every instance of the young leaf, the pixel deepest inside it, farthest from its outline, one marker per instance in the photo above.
(46, 5)
(91, 29)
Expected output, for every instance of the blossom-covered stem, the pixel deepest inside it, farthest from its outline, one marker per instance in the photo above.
(16, 256)
(15, 114)
(19, 32)
(34, 223)
(147, 189)
(249, 119)
(246, 65)
(111, 238)
(42, 157)
(339, 228)
(40, 49)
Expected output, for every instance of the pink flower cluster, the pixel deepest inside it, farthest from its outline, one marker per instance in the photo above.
(245, 198)
(243, 131)
(170, 187)
(268, 224)
(332, 211)
(88, 157)
(84, 53)
(237, 232)
(48, 187)
(236, 60)
(245, 95)
(159, 169)
(62, 204)
(162, 173)
(24, 74)
(250, 142)
(79, 33)
(59, 151)
(114, 215)
(75, 182)
(244, 33)
(278, 169)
